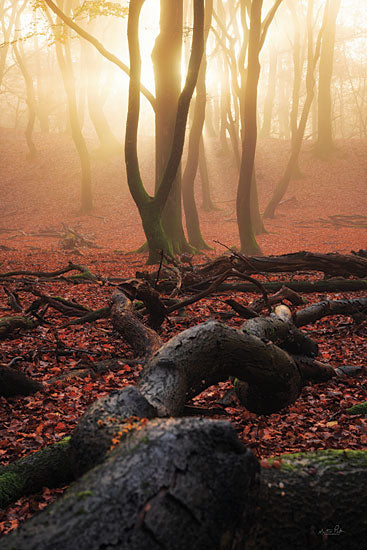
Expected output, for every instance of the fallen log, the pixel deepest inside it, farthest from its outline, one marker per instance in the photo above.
(106, 423)
(332, 264)
(142, 339)
(211, 352)
(312, 370)
(49, 467)
(13, 382)
(326, 308)
(8, 325)
(283, 334)
(308, 287)
(312, 500)
(175, 484)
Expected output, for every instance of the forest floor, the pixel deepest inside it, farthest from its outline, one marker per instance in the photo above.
(44, 194)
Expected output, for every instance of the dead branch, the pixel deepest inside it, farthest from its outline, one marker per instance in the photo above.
(142, 339)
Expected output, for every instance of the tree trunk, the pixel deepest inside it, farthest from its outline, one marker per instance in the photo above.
(207, 203)
(211, 352)
(49, 467)
(243, 205)
(65, 63)
(31, 101)
(151, 208)
(166, 57)
(325, 144)
(191, 214)
(313, 57)
(312, 501)
(173, 484)
(270, 94)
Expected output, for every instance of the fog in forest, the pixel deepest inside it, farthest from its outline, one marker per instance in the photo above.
(183, 274)
(267, 150)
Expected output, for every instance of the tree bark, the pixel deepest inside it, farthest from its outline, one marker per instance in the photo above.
(49, 467)
(315, 500)
(174, 484)
(325, 142)
(13, 382)
(211, 352)
(142, 339)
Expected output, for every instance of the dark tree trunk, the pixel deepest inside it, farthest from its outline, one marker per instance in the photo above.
(174, 484)
(151, 208)
(243, 205)
(191, 214)
(13, 382)
(208, 353)
(315, 501)
(166, 58)
(49, 467)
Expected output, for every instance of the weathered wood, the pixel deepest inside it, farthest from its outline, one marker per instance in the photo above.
(8, 325)
(312, 370)
(313, 501)
(14, 382)
(49, 467)
(175, 484)
(106, 421)
(308, 287)
(142, 339)
(283, 334)
(142, 290)
(330, 307)
(210, 352)
(332, 264)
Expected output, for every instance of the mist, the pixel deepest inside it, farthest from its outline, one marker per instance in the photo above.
(64, 109)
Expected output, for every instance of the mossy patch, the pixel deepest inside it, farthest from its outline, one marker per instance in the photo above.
(328, 459)
(83, 495)
(361, 408)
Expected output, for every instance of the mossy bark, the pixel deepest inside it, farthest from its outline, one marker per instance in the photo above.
(49, 467)
(174, 484)
(312, 501)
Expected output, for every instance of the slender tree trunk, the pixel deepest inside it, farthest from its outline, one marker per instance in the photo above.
(246, 232)
(86, 205)
(192, 218)
(151, 208)
(166, 58)
(310, 94)
(65, 63)
(325, 144)
(298, 56)
(207, 203)
(269, 99)
(31, 102)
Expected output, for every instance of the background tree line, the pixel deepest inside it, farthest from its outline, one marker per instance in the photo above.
(230, 71)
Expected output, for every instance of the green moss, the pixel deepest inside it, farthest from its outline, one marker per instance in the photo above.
(64, 441)
(10, 482)
(83, 494)
(324, 459)
(361, 408)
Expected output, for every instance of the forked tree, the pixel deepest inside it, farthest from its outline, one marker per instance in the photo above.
(151, 207)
